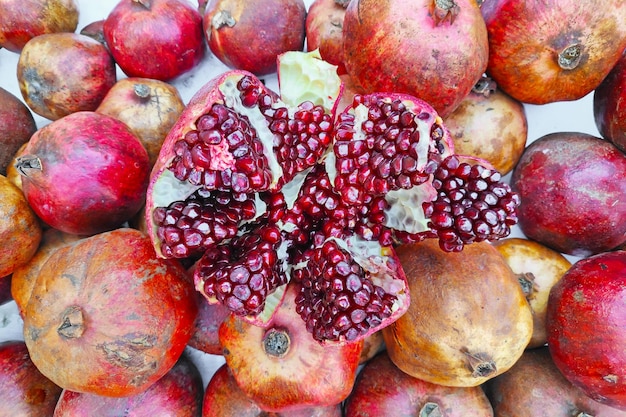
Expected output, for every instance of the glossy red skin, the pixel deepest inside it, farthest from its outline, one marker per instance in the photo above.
(259, 34)
(129, 313)
(394, 45)
(24, 391)
(94, 173)
(586, 322)
(526, 37)
(573, 198)
(223, 397)
(609, 105)
(382, 389)
(177, 394)
(160, 39)
(324, 31)
(17, 125)
(22, 20)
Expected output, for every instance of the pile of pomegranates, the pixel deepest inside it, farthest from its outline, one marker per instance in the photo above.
(313, 208)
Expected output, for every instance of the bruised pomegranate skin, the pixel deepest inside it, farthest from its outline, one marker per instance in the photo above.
(107, 316)
(585, 322)
(160, 39)
(570, 199)
(542, 52)
(24, 390)
(417, 48)
(609, 109)
(85, 173)
(251, 38)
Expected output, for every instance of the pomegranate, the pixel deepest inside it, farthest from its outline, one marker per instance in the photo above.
(84, 173)
(20, 229)
(563, 174)
(178, 393)
(281, 367)
(118, 325)
(147, 106)
(210, 317)
(537, 268)
(251, 38)
(608, 105)
(5, 289)
(260, 205)
(534, 387)
(17, 125)
(382, 389)
(94, 30)
(546, 52)
(468, 321)
(63, 73)
(223, 397)
(324, 30)
(20, 21)
(160, 39)
(585, 322)
(491, 125)
(431, 49)
(24, 277)
(24, 391)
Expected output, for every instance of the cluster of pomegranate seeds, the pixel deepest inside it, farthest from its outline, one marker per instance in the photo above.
(242, 273)
(187, 228)
(223, 153)
(337, 300)
(472, 205)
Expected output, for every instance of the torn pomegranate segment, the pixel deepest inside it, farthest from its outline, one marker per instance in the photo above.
(261, 189)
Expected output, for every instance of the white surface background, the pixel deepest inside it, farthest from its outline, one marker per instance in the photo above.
(555, 117)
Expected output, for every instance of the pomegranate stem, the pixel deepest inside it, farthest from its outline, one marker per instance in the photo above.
(276, 343)
(72, 323)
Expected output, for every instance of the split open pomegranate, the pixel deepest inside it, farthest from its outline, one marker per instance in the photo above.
(263, 188)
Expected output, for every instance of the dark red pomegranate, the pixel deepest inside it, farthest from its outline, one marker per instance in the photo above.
(263, 190)
(160, 39)
(434, 50)
(178, 393)
(17, 125)
(571, 197)
(24, 391)
(542, 52)
(609, 106)
(84, 173)
(586, 325)
(250, 37)
(324, 30)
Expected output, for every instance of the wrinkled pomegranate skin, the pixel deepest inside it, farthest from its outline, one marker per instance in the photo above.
(526, 37)
(609, 105)
(24, 391)
(94, 173)
(177, 394)
(119, 304)
(20, 20)
(324, 31)
(585, 323)
(259, 34)
(158, 39)
(382, 389)
(394, 45)
(572, 196)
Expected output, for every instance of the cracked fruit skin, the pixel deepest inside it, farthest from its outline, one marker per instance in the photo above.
(107, 317)
(586, 322)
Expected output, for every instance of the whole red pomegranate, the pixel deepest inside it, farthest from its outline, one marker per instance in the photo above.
(160, 39)
(63, 73)
(571, 198)
(609, 106)
(266, 189)
(24, 391)
(84, 173)
(17, 125)
(586, 323)
(542, 52)
(107, 316)
(178, 393)
(250, 36)
(430, 49)
(20, 20)
(324, 30)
